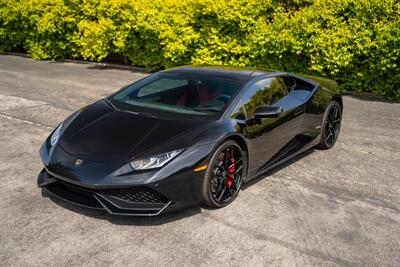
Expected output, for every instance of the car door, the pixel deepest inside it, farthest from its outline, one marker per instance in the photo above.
(268, 136)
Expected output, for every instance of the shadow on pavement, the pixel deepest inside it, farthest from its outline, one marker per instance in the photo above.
(276, 169)
(99, 66)
(371, 98)
(163, 218)
(116, 67)
(126, 220)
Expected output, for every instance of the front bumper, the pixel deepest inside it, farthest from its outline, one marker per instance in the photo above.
(119, 190)
(138, 200)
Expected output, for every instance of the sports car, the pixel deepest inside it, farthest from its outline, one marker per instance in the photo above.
(186, 136)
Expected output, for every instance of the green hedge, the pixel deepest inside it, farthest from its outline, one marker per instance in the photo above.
(356, 42)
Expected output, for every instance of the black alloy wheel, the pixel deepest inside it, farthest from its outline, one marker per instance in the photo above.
(225, 174)
(331, 125)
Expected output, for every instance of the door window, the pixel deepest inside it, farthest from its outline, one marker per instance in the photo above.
(264, 92)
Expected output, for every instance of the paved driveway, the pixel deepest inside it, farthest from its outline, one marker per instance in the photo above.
(336, 207)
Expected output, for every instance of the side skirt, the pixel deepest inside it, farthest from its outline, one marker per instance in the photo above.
(308, 146)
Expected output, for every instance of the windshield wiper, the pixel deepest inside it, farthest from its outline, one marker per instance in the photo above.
(109, 103)
(216, 109)
(141, 113)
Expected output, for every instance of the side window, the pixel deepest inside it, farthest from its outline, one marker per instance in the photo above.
(299, 88)
(161, 85)
(294, 83)
(264, 93)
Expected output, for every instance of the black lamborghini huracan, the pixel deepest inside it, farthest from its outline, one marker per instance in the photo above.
(185, 136)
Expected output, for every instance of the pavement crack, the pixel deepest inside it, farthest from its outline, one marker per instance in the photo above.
(283, 243)
(346, 195)
(22, 108)
(25, 121)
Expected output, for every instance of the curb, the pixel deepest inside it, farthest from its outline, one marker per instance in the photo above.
(76, 61)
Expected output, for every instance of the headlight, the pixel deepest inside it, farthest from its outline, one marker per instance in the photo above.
(155, 161)
(56, 135)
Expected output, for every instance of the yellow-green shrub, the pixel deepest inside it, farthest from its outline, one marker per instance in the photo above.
(356, 42)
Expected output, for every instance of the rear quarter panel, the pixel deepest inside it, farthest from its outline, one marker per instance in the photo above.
(315, 109)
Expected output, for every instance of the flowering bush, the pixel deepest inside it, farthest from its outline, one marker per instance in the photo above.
(356, 42)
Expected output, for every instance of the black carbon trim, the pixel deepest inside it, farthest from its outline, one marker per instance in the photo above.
(137, 194)
(71, 196)
(112, 209)
(125, 201)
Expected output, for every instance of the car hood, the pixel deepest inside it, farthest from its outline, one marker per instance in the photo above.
(101, 133)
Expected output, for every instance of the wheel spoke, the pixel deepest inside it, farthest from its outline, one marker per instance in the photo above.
(228, 193)
(332, 135)
(238, 169)
(327, 130)
(335, 112)
(235, 163)
(227, 158)
(220, 167)
(220, 178)
(328, 136)
(222, 194)
(234, 183)
(239, 180)
(329, 118)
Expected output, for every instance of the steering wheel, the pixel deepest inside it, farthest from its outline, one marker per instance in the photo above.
(223, 98)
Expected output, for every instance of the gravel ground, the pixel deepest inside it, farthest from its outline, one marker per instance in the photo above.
(333, 208)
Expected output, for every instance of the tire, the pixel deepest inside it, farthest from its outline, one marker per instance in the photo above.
(220, 188)
(330, 126)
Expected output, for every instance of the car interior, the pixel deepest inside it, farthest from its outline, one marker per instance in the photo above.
(195, 94)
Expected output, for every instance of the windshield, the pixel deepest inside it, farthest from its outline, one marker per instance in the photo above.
(178, 94)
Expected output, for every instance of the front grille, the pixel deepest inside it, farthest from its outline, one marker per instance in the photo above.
(137, 200)
(139, 194)
(73, 194)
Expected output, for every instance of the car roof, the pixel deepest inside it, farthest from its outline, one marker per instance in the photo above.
(231, 72)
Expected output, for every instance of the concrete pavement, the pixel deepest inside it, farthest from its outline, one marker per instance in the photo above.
(339, 207)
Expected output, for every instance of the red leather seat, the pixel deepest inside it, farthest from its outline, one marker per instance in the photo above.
(203, 94)
(183, 99)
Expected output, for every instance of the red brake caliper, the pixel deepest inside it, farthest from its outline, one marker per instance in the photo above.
(231, 170)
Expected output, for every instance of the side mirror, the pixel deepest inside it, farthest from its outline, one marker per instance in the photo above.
(267, 112)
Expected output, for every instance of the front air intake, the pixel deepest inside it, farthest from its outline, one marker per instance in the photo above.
(138, 194)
